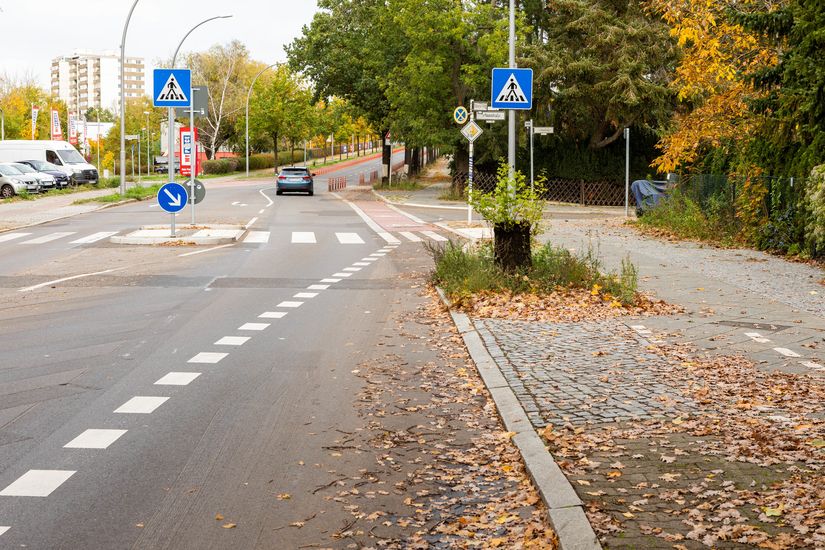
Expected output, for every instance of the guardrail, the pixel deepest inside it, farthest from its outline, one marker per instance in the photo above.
(336, 184)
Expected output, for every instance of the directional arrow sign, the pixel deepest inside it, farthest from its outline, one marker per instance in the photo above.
(172, 197)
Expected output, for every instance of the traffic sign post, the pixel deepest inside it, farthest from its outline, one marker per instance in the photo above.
(471, 131)
(172, 198)
(172, 88)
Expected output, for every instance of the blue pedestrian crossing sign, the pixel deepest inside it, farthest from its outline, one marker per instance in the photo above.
(171, 87)
(172, 197)
(512, 89)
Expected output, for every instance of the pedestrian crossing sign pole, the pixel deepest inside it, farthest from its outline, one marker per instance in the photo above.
(172, 88)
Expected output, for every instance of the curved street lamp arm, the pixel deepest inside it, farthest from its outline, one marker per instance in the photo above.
(177, 50)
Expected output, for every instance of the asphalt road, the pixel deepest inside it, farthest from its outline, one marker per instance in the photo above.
(145, 391)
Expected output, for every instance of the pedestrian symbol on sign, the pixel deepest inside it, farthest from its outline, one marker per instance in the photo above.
(512, 92)
(172, 91)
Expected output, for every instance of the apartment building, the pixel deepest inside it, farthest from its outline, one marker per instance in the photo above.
(88, 79)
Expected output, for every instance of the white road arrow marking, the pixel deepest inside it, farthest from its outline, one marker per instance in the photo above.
(174, 200)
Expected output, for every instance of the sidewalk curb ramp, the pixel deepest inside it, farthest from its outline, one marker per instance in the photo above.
(564, 508)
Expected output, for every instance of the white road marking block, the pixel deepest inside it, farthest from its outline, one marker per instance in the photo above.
(361, 264)
(272, 315)
(342, 274)
(756, 337)
(233, 341)
(306, 295)
(813, 365)
(353, 269)
(368, 259)
(3, 529)
(638, 327)
(786, 352)
(177, 379)
(37, 483)
(94, 237)
(411, 236)
(435, 236)
(207, 357)
(378, 254)
(254, 326)
(317, 287)
(349, 238)
(94, 439)
(330, 280)
(255, 237)
(11, 236)
(290, 304)
(50, 237)
(141, 404)
(303, 237)
(389, 237)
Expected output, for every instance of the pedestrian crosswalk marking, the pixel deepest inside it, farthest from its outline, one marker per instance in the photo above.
(257, 237)
(349, 238)
(94, 237)
(411, 236)
(11, 236)
(434, 236)
(303, 237)
(50, 237)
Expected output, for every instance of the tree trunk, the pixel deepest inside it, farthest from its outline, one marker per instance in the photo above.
(275, 144)
(512, 247)
(386, 160)
(461, 167)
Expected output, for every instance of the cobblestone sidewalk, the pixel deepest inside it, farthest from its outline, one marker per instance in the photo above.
(668, 447)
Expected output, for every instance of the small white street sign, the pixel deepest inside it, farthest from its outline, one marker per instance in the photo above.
(543, 130)
(490, 116)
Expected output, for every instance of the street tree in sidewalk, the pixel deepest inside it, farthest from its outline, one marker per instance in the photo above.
(16, 98)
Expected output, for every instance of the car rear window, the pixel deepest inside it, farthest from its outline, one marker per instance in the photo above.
(295, 171)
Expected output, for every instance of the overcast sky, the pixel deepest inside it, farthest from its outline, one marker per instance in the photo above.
(36, 31)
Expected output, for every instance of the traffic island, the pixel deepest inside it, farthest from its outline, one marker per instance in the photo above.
(191, 235)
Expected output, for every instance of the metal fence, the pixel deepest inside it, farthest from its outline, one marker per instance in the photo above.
(585, 193)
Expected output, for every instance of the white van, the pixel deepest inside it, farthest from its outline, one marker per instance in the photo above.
(60, 153)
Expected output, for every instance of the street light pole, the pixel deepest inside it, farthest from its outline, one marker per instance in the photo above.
(123, 101)
(249, 95)
(511, 140)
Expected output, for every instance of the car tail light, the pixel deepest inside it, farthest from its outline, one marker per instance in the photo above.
(281, 178)
(307, 178)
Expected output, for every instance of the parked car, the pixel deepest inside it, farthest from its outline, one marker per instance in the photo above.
(46, 181)
(61, 180)
(295, 179)
(13, 182)
(60, 153)
(161, 165)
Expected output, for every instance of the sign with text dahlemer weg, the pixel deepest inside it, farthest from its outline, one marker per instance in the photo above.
(172, 87)
(512, 89)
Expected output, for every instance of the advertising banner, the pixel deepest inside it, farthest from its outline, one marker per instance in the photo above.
(57, 132)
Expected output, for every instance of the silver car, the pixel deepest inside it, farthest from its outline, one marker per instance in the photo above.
(47, 182)
(14, 182)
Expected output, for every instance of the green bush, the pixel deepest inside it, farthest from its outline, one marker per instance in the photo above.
(462, 273)
(216, 167)
(815, 207)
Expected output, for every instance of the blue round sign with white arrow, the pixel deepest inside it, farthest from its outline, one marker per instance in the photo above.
(172, 197)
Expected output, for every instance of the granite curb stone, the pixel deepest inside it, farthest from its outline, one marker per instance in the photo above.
(565, 509)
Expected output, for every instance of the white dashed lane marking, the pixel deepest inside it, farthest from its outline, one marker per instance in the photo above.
(177, 379)
(290, 304)
(317, 287)
(207, 357)
(342, 274)
(362, 264)
(37, 483)
(813, 365)
(330, 280)
(756, 337)
(141, 404)
(94, 237)
(352, 269)
(786, 352)
(306, 295)
(303, 237)
(3, 529)
(232, 341)
(272, 315)
(349, 238)
(50, 237)
(94, 439)
(254, 326)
